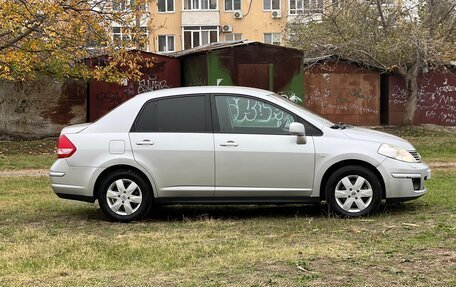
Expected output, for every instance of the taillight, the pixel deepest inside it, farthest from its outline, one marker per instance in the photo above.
(65, 148)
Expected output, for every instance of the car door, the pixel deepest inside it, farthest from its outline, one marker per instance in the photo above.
(255, 156)
(172, 139)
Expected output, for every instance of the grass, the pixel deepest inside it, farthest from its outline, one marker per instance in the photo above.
(27, 154)
(46, 241)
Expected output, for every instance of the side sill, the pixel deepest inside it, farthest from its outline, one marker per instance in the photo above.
(76, 197)
(235, 200)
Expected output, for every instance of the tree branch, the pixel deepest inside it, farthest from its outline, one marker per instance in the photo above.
(20, 37)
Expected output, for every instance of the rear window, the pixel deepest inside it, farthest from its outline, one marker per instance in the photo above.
(146, 119)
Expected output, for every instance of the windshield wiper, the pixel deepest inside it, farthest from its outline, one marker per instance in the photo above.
(340, 126)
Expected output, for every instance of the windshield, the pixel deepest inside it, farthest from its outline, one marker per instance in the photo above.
(288, 101)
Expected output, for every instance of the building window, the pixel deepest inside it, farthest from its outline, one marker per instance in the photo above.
(195, 36)
(125, 5)
(142, 5)
(272, 38)
(233, 37)
(119, 5)
(305, 6)
(200, 4)
(271, 4)
(120, 35)
(126, 37)
(165, 5)
(166, 43)
(232, 5)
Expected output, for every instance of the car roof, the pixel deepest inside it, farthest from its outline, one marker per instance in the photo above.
(203, 89)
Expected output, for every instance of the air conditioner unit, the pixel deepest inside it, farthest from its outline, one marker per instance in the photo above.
(238, 14)
(227, 28)
(276, 14)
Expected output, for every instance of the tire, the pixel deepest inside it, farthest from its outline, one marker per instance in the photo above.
(353, 191)
(124, 196)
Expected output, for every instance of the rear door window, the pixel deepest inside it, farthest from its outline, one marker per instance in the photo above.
(183, 114)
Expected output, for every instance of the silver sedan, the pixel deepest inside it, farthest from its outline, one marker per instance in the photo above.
(230, 145)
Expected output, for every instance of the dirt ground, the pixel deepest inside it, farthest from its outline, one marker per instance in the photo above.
(24, 172)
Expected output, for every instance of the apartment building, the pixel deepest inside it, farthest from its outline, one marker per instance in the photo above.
(176, 25)
(184, 24)
(123, 36)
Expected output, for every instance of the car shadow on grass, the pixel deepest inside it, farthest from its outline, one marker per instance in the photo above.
(234, 212)
(180, 213)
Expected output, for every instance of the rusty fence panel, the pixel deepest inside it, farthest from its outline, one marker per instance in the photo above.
(103, 96)
(436, 98)
(343, 92)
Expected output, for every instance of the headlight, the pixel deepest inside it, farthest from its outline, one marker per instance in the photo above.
(396, 153)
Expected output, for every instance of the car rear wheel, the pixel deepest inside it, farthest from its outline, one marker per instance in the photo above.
(124, 196)
(353, 191)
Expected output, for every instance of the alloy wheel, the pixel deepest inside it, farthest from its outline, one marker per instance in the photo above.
(353, 193)
(124, 196)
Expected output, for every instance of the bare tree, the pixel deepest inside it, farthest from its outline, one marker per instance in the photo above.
(409, 37)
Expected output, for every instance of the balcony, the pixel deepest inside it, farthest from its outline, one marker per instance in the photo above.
(304, 18)
(201, 17)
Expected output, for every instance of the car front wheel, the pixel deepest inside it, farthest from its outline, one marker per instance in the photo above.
(353, 191)
(124, 196)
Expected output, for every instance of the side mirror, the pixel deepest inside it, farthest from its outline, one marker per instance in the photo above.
(298, 130)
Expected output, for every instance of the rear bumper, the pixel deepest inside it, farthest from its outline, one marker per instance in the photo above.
(73, 182)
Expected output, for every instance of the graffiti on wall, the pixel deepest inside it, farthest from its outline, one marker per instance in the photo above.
(151, 84)
(113, 99)
(290, 95)
(109, 98)
(29, 123)
(19, 106)
(434, 102)
(354, 100)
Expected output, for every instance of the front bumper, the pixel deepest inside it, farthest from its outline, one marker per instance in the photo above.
(404, 181)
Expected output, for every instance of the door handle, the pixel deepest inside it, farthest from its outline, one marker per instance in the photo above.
(145, 142)
(229, 143)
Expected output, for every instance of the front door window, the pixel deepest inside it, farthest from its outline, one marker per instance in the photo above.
(247, 115)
